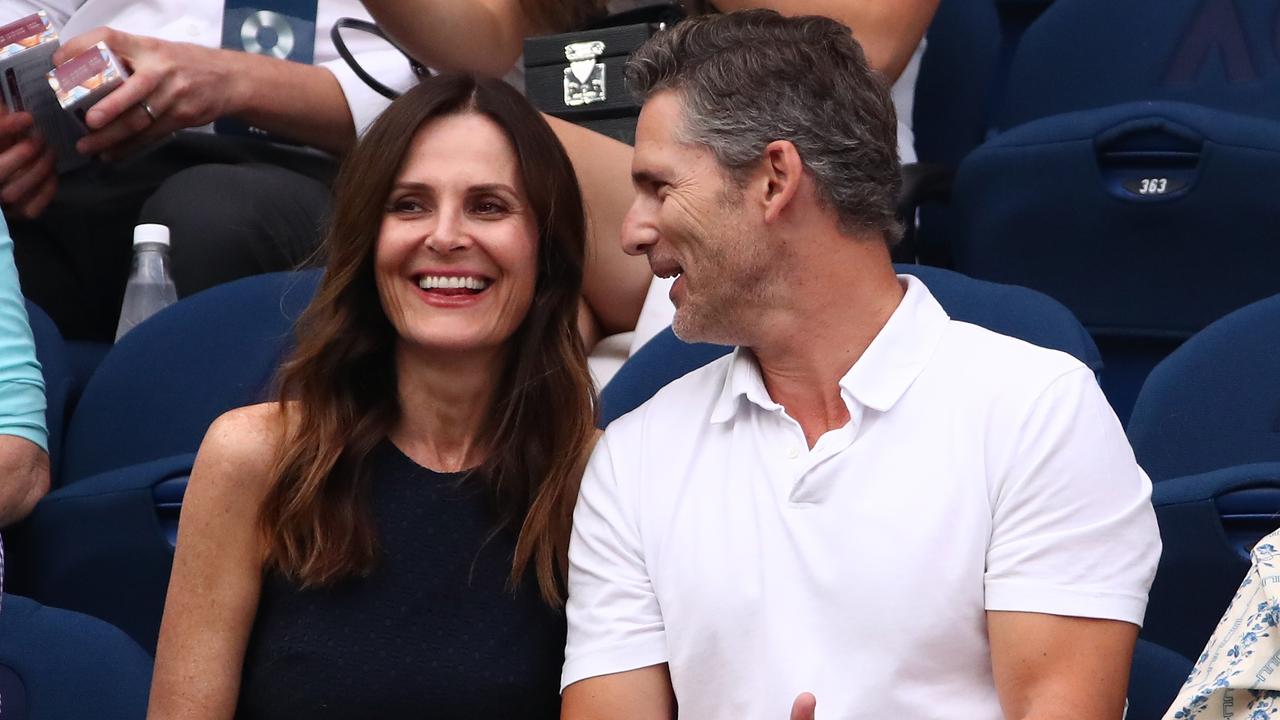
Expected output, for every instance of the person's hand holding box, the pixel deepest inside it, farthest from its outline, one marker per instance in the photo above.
(28, 180)
(173, 86)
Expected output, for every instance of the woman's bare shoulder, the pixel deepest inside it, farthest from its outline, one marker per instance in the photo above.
(239, 450)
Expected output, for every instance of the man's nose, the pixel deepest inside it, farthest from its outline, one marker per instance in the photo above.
(639, 233)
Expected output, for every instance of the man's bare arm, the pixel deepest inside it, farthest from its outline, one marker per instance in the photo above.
(1050, 666)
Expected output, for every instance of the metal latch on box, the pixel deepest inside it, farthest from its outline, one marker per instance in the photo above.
(584, 78)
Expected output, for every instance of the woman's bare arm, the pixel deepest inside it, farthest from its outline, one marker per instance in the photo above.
(479, 36)
(888, 30)
(615, 283)
(216, 579)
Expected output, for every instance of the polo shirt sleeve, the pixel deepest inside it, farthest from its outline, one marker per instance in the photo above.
(1073, 530)
(22, 401)
(615, 623)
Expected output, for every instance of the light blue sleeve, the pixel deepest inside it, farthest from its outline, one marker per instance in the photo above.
(22, 400)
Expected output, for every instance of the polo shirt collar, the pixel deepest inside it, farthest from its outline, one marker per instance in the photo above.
(893, 360)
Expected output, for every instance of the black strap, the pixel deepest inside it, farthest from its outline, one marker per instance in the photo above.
(335, 34)
(667, 12)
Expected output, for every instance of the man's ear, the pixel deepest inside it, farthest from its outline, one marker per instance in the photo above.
(783, 174)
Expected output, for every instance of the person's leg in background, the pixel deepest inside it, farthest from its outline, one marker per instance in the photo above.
(231, 221)
(73, 260)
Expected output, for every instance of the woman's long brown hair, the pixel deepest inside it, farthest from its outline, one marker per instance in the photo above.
(338, 390)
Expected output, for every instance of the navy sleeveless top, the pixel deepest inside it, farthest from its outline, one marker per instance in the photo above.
(433, 632)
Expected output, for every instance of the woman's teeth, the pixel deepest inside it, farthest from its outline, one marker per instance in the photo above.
(441, 282)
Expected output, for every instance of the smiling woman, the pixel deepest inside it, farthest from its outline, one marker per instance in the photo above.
(457, 255)
(340, 548)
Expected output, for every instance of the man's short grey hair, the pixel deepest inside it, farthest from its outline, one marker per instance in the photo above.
(752, 77)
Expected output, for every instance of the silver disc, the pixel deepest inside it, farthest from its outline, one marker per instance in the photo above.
(265, 19)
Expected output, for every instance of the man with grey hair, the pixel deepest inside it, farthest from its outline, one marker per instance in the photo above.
(867, 503)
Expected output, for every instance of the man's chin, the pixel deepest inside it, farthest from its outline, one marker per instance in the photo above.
(691, 328)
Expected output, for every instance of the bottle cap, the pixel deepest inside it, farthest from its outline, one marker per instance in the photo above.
(151, 233)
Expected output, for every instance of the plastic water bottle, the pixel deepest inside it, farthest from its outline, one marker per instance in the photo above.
(150, 287)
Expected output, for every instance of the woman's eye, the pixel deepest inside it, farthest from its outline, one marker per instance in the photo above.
(489, 207)
(404, 205)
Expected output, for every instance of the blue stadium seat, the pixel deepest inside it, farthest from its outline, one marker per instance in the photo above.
(1215, 403)
(1155, 677)
(158, 389)
(962, 75)
(1208, 523)
(1147, 220)
(51, 351)
(1206, 427)
(61, 665)
(103, 543)
(1084, 54)
(970, 44)
(952, 103)
(84, 357)
(1006, 309)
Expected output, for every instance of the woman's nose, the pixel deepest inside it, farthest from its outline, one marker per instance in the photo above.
(449, 234)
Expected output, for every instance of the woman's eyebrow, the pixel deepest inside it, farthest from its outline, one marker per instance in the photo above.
(411, 185)
(493, 187)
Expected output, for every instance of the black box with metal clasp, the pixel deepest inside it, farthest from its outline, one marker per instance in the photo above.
(581, 76)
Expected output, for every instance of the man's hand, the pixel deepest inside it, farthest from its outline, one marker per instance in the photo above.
(28, 180)
(183, 86)
(804, 706)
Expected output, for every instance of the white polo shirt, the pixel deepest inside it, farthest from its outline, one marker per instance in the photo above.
(978, 472)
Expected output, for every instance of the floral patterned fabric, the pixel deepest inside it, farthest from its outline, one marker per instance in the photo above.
(1238, 675)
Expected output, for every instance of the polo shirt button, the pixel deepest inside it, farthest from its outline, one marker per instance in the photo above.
(793, 452)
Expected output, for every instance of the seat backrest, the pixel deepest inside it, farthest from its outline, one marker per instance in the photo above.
(60, 665)
(1214, 402)
(1156, 676)
(160, 387)
(969, 46)
(1209, 523)
(1147, 219)
(104, 545)
(51, 351)
(1087, 54)
(950, 115)
(1006, 309)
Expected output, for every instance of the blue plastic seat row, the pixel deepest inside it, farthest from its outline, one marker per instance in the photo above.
(1207, 429)
(1120, 157)
(102, 541)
